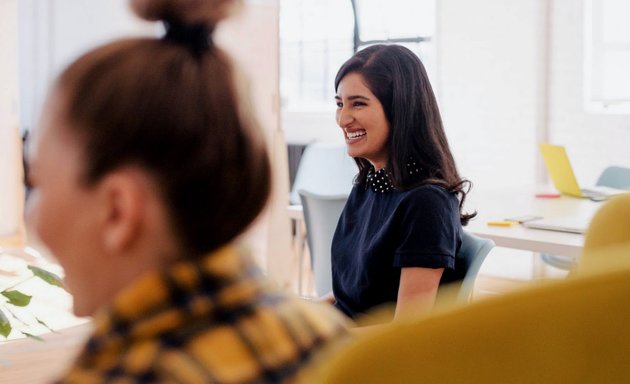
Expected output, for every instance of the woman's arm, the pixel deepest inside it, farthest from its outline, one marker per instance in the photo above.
(417, 290)
(416, 294)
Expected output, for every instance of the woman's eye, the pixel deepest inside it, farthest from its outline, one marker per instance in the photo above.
(358, 104)
(339, 105)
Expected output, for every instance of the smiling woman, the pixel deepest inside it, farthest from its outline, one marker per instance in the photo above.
(401, 228)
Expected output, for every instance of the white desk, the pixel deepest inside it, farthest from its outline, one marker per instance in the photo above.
(497, 205)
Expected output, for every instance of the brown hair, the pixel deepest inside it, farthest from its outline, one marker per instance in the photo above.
(397, 78)
(158, 104)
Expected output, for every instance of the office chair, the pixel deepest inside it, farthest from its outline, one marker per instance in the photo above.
(471, 255)
(321, 214)
(609, 230)
(567, 331)
(614, 177)
(324, 168)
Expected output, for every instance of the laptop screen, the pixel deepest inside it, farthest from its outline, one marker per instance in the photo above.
(560, 169)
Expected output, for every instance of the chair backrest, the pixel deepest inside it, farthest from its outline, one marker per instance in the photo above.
(609, 228)
(571, 331)
(471, 255)
(321, 214)
(326, 169)
(615, 177)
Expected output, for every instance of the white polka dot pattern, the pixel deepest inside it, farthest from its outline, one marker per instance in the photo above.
(379, 181)
(413, 167)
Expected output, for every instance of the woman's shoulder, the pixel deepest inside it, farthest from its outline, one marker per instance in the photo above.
(429, 198)
(430, 192)
(428, 205)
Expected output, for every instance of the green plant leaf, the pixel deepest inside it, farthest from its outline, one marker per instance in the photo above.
(48, 277)
(17, 298)
(16, 317)
(45, 325)
(5, 325)
(30, 335)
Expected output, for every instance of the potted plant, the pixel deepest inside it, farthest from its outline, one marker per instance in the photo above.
(13, 301)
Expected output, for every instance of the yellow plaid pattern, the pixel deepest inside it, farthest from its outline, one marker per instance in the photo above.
(213, 320)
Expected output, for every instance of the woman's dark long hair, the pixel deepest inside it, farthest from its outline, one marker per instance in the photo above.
(396, 76)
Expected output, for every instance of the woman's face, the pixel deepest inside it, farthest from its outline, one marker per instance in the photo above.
(61, 210)
(362, 119)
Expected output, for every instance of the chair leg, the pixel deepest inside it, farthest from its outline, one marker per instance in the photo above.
(538, 266)
(300, 237)
(562, 262)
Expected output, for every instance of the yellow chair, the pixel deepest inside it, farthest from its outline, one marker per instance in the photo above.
(571, 331)
(609, 230)
(611, 223)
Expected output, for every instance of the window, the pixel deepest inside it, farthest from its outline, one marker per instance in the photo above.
(315, 39)
(404, 22)
(607, 56)
(317, 36)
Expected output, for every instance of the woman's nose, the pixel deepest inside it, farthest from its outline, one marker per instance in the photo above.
(344, 117)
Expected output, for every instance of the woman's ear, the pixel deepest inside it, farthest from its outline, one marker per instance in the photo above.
(123, 198)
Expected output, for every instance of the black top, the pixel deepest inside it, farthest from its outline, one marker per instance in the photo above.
(382, 230)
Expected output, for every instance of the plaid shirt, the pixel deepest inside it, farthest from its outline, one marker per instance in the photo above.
(213, 320)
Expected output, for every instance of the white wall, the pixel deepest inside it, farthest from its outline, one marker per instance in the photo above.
(508, 80)
(11, 191)
(307, 127)
(55, 32)
(488, 71)
(593, 141)
(251, 37)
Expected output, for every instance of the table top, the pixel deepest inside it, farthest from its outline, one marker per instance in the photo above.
(501, 204)
(28, 361)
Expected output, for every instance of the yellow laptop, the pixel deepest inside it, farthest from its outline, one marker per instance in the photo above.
(563, 178)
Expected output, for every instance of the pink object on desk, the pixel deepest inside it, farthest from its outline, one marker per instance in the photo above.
(547, 195)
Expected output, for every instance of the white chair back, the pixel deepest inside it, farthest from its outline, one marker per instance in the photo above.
(321, 214)
(326, 169)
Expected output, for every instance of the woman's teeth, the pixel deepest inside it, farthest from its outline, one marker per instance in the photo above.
(354, 135)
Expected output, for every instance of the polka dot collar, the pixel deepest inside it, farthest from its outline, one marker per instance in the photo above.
(379, 180)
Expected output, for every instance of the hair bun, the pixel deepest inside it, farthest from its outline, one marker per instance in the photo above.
(208, 12)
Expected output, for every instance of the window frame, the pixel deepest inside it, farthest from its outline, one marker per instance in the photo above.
(594, 49)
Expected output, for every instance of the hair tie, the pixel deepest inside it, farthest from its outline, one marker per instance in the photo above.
(196, 37)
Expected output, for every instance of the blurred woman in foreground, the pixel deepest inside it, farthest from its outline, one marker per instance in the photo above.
(145, 171)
